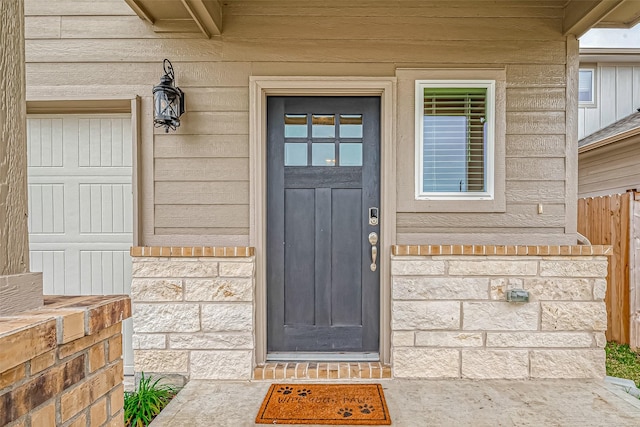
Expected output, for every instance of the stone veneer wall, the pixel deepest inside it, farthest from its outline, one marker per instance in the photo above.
(61, 365)
(193, 312)
(450, 317)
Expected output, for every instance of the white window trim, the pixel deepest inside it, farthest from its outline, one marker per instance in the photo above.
(593, 102)
(489, 155)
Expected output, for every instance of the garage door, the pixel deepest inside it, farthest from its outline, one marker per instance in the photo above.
(80, 206)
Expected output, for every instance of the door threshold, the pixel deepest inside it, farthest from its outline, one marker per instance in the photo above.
(322, 357)
(321, 371)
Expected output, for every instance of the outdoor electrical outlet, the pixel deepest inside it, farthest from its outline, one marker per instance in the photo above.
(517, 295)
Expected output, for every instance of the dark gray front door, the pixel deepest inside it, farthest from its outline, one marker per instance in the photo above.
(323, 178)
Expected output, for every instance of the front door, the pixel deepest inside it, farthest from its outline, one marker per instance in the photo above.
(323, 199)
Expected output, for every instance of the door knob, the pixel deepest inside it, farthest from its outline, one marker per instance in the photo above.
(373, 240)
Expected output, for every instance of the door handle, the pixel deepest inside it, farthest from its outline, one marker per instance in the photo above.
(373, 240)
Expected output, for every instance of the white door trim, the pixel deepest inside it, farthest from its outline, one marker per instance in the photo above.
(259, 89)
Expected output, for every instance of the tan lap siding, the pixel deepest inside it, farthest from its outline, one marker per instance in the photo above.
(195, 182)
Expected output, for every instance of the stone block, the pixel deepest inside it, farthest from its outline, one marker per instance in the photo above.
(539, 339)
(489, 267)
(559, 289)
(107, 313)
(425, 315)
(212, 341)
(440, 288)
(498, 287)
(500, 316)
(149, 341)
(417, 268)
(227, 317)
(24, 339)
(156, 290)
(219, 289)
(568, 363)
(114, 348)
(222, 365)
(574, 268)
(98, 412)
(601, 339)
(574, 316)
(96, 357)
(448, 339)
(236, 269)
(166, 318)
(495, 364)
(42, 362)
(403, 339)
(416, 362)
(175, 268)
(44, 416)
(599, 289)
(116, 400)
(172, 361)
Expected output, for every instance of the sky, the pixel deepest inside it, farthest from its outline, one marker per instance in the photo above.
(611, 37)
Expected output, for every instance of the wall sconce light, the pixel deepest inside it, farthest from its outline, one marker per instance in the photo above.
(168, 100)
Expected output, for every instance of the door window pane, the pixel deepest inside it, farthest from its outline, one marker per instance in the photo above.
(350, 154)
(351, 126)
(323, 154)
(323, 126)
(295, 126)
(295, 154)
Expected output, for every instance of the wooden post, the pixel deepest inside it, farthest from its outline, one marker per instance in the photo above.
(634, 273)
(19, 289)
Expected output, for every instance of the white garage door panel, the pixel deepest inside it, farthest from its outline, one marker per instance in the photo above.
(80, 206)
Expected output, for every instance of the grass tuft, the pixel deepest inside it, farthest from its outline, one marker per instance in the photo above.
(622, 362)
(142, 406)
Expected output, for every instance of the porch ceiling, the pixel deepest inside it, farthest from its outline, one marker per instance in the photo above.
(205, 16)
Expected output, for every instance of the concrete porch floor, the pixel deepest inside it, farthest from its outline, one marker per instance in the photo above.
(429, 403)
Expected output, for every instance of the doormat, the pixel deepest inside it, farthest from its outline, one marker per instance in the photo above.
(331, 404)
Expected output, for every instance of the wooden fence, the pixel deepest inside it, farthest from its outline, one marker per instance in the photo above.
(615, 220)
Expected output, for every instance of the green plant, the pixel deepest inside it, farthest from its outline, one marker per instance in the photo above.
(622, 362)
(141, 406)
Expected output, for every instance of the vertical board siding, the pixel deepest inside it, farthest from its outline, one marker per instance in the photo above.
(195, 180)
(606, 220)
(104, 142)
(617, 95)
(104, 207)
(109, 272)
(52, 266)
(44, 143)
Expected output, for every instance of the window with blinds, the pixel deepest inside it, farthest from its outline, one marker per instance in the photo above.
(586, 86)
(455, 139)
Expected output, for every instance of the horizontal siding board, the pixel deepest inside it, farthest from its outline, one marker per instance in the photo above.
(170, 145)
(517, 216)
(339, 27)
(538, 191)
(226, 231)
(535, 169)
(324, 69)
(536, 99)
(553, 236)
(217, 99)
(207, 169)
(381, 50)
(122, 50)
(533, 75)
(202, 193)
(77, 7)
(147, 74)
(42, 27)
(115, 27)
(535, 123)
(535, 145)
(212, 123)
(196, 216)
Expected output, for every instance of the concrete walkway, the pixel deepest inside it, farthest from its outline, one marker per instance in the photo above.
(430, 403)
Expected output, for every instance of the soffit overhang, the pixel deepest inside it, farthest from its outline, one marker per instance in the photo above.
(205, 16)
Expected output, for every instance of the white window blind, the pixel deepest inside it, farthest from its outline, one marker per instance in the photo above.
(454, 140)
(585, 86)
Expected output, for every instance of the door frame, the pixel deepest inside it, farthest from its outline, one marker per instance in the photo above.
(259, 89)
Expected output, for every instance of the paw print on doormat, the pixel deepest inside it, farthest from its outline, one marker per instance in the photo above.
(304, 392)
(345, 412)
(366, 409)
(285, 390)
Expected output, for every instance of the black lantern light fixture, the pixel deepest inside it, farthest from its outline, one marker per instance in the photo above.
(168, 100)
